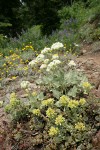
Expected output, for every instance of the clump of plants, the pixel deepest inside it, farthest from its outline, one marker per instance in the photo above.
(57, 72)
(61, 115)
(62, 123)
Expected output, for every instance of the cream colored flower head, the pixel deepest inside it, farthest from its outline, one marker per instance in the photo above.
(55, 56)
(57, 45)
(76, 45)
(43, 66)
(46, 61)
(32, 63)
(56, 62)
(53, 64)
(45, 50)
(40, 58)
(25, 84)
(71, 64)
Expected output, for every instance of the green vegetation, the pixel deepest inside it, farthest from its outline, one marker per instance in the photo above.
(38, 44)
(65, 117)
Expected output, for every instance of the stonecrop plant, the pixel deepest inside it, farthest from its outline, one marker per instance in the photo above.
(63, 117)
(64, 122)
(58, 73)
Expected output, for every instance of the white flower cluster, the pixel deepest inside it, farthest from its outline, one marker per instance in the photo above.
(42, 57)
(71, 63)
(32, 63)
(57, 45)
(53, 64)
(43, 66)
(38, 59)
(46, 61)
(76, 45)
(25, 84)
(45, 50)
(55, 56)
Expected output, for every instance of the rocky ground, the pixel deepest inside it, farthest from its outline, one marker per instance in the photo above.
(88, 61)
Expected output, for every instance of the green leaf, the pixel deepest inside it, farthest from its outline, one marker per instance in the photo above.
(40, 96)
(56, 93)
(39, 81)
(73, 92)
(58, 104)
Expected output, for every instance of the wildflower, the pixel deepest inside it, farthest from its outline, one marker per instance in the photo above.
(76, 45)
(36, 112)
(82, 101)
(14, 77)
(40, 58)
(4, 64)
(53, 131)
(45, 50)
(80, 126)
(57, 45)
(73, 103)
(25, 84)
(59, 120)
(53, 64)
(43, 66)
(86, 85)
(12, 95)
(32, 63)
(13, 99)
(50, 113)
(55, 56)
(71, 63)
(64, 100)
(48, 102)
(34, 94)
(57, 62)
(1, 103)
(46, 61)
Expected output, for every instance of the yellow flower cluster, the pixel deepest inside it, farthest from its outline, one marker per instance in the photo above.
(36, 112)
(80, 126)
(14, 77)
(53, 131)
(34, 94)
(27, 47)
(82, 101)
(59, 120)
(48, 102)
(10, 62)
(12, 96)
(64, 100)
(73, 103)
(50, 113)
(13, 99)
(86, 85)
